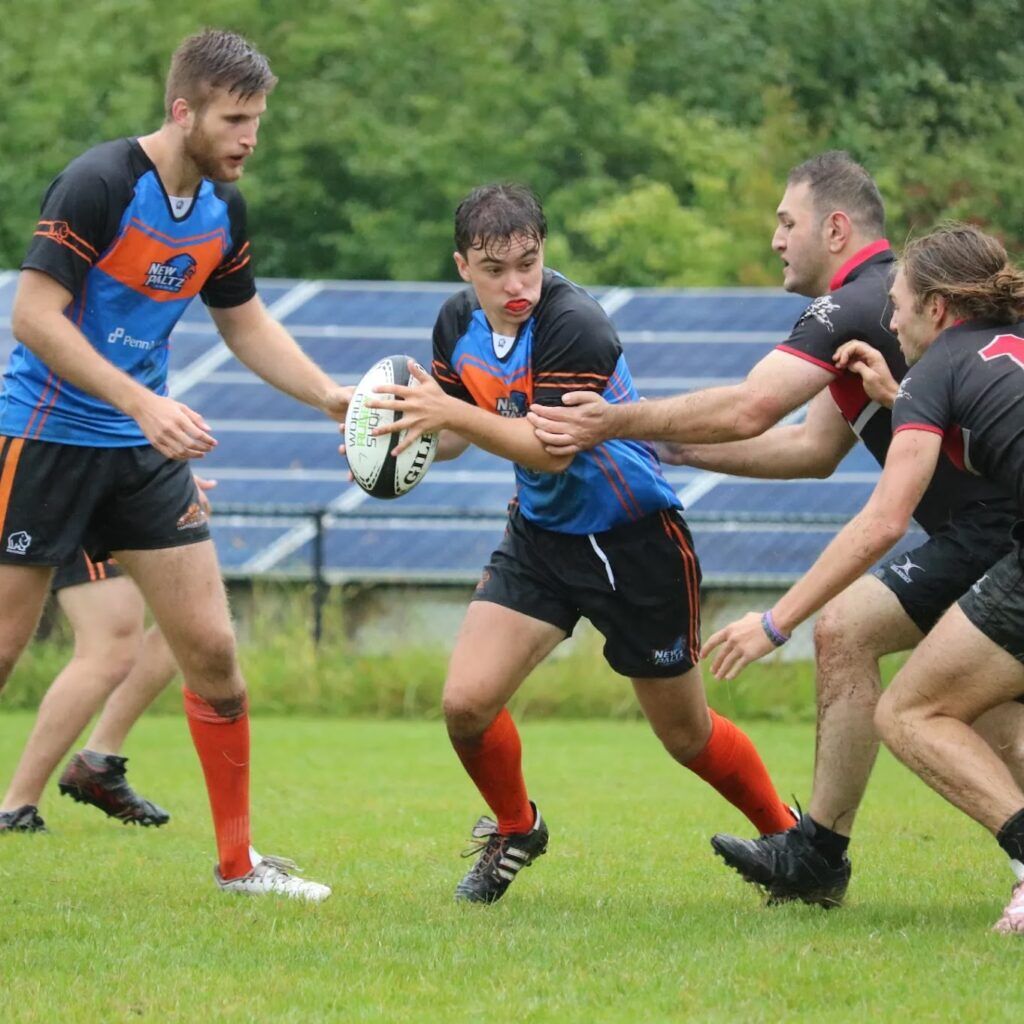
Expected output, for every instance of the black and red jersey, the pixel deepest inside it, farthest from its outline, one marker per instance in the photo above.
(857, 308)
(969, 387)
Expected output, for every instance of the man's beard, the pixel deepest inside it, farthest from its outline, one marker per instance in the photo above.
(200, 151)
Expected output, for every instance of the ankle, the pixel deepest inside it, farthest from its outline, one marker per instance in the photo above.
(830, 844)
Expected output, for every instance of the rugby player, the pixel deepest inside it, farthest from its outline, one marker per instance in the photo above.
(118, 665)
(829, 235)
(958, 311)
(93, 453)
(597, 535)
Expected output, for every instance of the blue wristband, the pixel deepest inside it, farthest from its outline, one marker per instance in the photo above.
(777, 637)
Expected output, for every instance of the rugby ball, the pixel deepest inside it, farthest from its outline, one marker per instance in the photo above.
(375, 469)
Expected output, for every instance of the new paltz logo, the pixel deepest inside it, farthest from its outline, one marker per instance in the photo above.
(172, 275)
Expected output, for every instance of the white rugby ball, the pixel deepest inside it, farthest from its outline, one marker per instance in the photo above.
(375, 469)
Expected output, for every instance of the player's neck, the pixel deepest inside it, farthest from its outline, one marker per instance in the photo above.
(178, 174)
(855, 244)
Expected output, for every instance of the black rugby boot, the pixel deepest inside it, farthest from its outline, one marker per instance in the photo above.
(787, 865)
(107, 788)
(22, 819)
(500, 858)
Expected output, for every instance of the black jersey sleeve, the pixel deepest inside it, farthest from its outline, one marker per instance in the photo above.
(79, 217)
(233, 282)
(575, 348)
(926, 394)
(451, 324)
(820, 330)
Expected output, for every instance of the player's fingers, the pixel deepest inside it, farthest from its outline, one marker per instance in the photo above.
(410, 437)
(712, 642)
(555, 437)
(417, 371)
(562, 449)
(551, 413)
(389, 428)
(581, 398)
(194, 417)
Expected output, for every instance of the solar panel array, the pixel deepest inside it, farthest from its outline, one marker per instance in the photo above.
(274, 451)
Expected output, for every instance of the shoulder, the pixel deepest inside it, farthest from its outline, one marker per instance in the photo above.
(455, 314)
(565, 305)
(108, 165)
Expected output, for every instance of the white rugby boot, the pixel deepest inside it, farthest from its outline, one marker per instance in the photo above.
(274, 876)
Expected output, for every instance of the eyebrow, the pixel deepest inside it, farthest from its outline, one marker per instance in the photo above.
(526, 254)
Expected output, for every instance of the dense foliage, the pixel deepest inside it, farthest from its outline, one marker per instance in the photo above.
(658, 132)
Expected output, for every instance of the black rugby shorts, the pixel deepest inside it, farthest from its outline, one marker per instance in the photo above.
(639, 584)
(56, 499)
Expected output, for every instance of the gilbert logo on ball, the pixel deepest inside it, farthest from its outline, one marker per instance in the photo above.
(375, 469)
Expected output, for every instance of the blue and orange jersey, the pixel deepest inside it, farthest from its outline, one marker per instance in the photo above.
(568, 344)
(107, 232)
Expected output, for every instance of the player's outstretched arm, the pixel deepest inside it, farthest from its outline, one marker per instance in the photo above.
(39, 323)
(427, 409)
(264, 346)
(880, 524)
(777, 385)
(813, 448)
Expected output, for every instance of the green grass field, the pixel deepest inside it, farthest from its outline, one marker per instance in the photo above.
(628, 918)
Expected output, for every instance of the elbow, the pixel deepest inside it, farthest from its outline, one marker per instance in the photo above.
(546, 463)
(21, 324)
(887, 529)
(825, 465)
(757, 414)
(560, 463)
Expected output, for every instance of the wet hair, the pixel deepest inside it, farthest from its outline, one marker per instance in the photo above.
(838, 182)
(490, 215)
(214, 59)
(967, 268)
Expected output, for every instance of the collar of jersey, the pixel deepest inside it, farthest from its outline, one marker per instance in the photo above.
(859, 257)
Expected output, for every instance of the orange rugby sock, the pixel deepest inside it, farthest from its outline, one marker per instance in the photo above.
(223, 748)
(731, 764)
(495, 763)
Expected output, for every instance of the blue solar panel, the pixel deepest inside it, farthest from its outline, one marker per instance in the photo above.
(355, 306)
(712, 312)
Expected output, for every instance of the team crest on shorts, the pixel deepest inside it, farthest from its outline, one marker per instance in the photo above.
(669, 655)
(18, 543)
(193, 517)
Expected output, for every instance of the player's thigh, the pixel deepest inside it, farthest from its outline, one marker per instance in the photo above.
(865, 620)
(642, 594)
(956, 671)
(928, 579)
(496, 649)
(23, 590)
(676, 708)
(104, 615)
(183, 588)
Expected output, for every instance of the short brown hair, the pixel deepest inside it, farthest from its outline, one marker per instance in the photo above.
(838, 182)
(491, 214)
(967, 268)
(214, 59)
